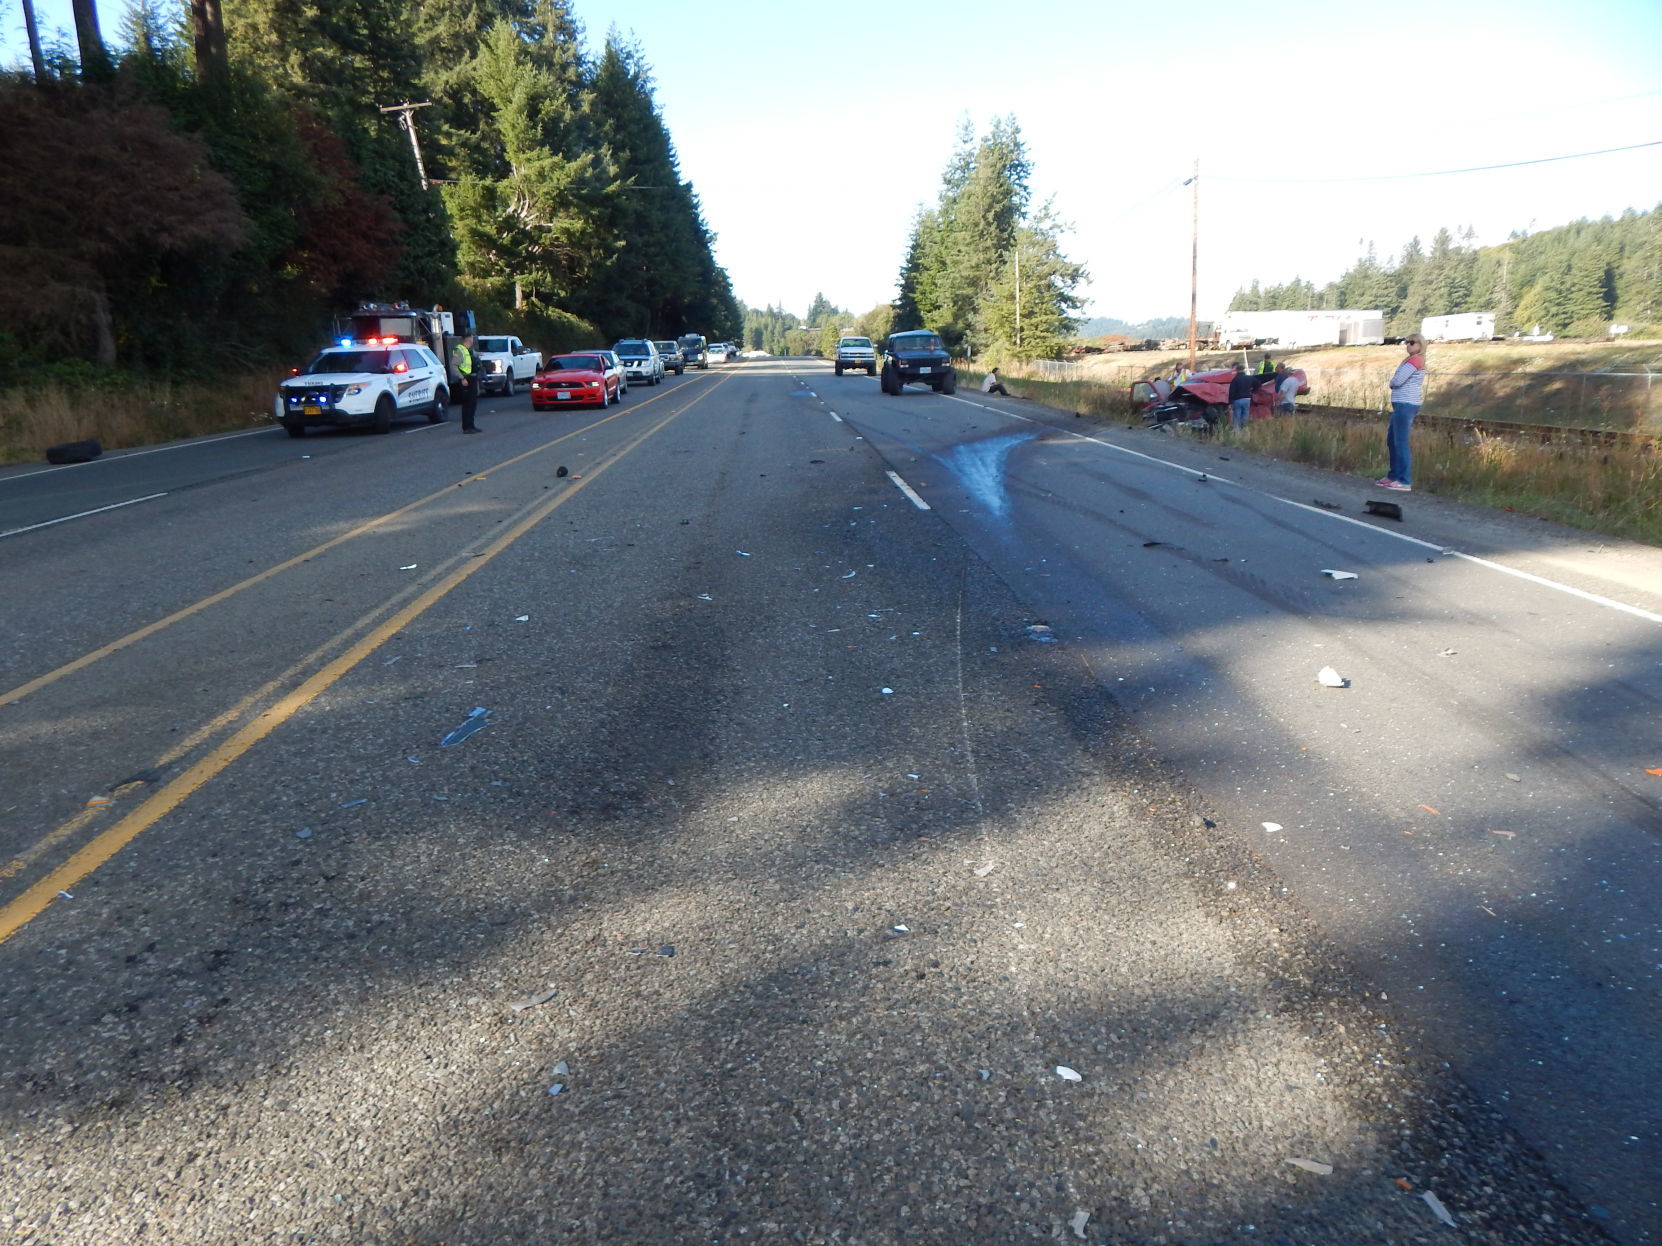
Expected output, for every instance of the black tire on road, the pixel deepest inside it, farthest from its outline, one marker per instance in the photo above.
(871, 369)
(508, 386)
(441, 407)
(949, 383)
(839, 368)
(383, 414)
(294, 428)
(74, 452)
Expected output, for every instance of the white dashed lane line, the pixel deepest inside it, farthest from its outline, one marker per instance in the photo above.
(907, 490)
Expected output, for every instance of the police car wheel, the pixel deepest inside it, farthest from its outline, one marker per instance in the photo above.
(441, 407)
(383, 414)
(294, 428)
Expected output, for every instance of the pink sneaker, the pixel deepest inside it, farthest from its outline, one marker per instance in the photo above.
(1392, 484)
(1384, 482)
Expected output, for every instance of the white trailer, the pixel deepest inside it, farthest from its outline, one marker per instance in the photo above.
(1300, 330)
(1461, 327)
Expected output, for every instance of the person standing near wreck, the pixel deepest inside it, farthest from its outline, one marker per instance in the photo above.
(1407, 393)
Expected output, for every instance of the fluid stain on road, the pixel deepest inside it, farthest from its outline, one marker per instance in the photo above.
(980, 465)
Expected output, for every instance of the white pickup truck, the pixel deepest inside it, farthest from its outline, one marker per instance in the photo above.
(504, 363)
(856, 352)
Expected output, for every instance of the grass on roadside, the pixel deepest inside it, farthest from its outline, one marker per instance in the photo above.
(135, 414)
(1616, 489)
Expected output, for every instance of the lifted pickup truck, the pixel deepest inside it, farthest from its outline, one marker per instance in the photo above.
(505, 363)
(856, 352)
(917, 356)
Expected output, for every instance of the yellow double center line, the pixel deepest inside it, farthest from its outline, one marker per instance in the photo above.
(34, 901)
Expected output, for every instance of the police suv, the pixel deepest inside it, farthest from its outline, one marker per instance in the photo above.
(357, 383)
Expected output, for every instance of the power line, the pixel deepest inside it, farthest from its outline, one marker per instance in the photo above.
(1399, 177)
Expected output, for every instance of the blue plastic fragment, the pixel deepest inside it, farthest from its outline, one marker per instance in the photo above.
(479, 718)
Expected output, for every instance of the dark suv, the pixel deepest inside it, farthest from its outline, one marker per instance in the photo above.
(917, 356)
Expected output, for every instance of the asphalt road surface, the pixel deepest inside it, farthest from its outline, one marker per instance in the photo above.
(774, 811)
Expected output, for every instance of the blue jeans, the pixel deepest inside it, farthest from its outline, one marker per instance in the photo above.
(1396, 441)
(1238, 409)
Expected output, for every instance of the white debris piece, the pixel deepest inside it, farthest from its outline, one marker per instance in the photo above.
(981, 871)
(1067, 1074)
(1339, 575)
(1271, 827)
(1327, 677)
(1437, 1208)
(1312, 1165)
(1078, 1223)
(542, 997)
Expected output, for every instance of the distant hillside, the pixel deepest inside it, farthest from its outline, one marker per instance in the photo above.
(1170, 326)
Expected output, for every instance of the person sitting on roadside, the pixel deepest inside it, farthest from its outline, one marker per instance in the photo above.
(992, 385)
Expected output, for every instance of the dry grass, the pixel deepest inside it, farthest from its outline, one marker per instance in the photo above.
(1616, 490)
(142, 413)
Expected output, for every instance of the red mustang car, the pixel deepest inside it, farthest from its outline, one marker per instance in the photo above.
(570, 380)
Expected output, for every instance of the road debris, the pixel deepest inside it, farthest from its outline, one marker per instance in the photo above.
(99, 800)
(556, 1088)
(1327, 677)
(1658, 770)
(1429, 809)
(1447, 653)
(1271, 827)
(888, 692)
(353, 804)
(66, 895)
(1437, 1208)
(1312, 1165)
(1514, 777)
(1340, 575)
(1078, 1223)
(304, 832)
(1405, 1184)
(477, 720)
(522, 618)
(1385, 510)
(705, 597)
(1067, 1074)
(531, 1001)
(741, 553)
(1326, 506)
(411, 567)
(897, 932)
(981, 871)
(562, 1069)
(1508, 834)
(851, 575)
(667, 949)
(561, 471)
(1040, 632)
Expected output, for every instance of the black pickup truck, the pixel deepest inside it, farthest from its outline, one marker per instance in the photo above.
(917, 356)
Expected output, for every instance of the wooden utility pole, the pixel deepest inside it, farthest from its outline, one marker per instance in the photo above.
(1018, 293)
(406, 119)
(1194, 261)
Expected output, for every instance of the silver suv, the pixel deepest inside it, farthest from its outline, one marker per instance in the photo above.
(641, 361)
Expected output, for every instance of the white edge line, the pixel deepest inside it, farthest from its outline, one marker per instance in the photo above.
(149, 497)
(836, 417)
(907, 490)
(118, 455)
(1637, 612)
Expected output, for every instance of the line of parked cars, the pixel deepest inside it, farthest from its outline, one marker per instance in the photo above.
(377, 380)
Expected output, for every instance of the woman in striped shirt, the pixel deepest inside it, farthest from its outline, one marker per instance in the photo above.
(1407, 391)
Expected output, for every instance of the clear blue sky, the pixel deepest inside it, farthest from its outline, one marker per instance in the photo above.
(812, 133)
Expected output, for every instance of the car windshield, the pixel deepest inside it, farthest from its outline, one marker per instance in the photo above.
(632, 348)
(665, 348)
(576, 363)
(340, 362)
(856, 341)
(692, 341)
(494, 345)
(923, 341)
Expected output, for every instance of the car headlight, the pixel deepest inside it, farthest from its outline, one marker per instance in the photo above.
(351, 390)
